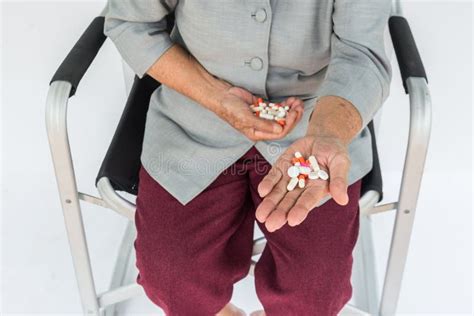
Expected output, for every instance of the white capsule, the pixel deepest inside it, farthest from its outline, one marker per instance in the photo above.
(304, 170)
(281, 114)
(287, 108)
(292, 184)
(313, 175)
(323, 174)
(267, 116)
(301, 183)
(273, 112)
(298, 155)
(293, 171)
(271, 104)
(262, 104)
(314, 163)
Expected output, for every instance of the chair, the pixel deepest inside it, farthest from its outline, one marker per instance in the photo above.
(119, 172)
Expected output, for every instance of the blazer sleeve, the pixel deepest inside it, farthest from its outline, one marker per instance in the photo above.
(359, 70)
(138, 29)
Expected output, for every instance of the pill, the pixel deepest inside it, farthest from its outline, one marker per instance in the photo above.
(293, 171)
(298, 155)
(323, 174)
(301, 183)
(314, 163)
(287, 108)
(267, 116)
(272, 111)
(304, 170)
(292, 184)
(294, 160)
(313, 175)
(281, 122)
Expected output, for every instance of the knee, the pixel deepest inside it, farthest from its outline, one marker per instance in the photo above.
(179, 287)
(305, 287)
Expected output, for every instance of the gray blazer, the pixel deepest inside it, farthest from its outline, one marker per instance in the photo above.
(273, 48)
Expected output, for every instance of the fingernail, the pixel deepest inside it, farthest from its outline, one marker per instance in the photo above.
(277, 129)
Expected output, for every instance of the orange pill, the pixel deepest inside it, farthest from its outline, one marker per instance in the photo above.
(281, 122)
(295, 160)
(301, 176)
(302, 160)
(260, 100)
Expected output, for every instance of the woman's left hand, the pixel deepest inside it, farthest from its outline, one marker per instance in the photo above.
(280, 206)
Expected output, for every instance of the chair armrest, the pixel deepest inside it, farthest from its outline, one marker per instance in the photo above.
(75, 65)
(408, 57)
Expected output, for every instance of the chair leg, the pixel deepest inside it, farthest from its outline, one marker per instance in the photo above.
(364, 280)
(56, 110)
(81, 259)
(415, 157)
(122, 263)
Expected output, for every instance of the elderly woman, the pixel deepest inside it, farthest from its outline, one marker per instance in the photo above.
(210, 166)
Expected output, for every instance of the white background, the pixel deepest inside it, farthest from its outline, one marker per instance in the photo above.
(37, 273)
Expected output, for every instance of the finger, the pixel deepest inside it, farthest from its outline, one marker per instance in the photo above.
(298, 107)
(270, 202)
(307, 202)
(295, 102)
(269, 181)
(289, 101)
(275, 175)
(262, 125)
(278, 217)
(254, 99)
(290, 124)
(338, 172)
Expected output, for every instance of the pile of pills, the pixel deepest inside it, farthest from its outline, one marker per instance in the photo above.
(270, 111)
(303, 169)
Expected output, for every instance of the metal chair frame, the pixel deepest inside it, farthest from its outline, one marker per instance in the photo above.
(367, 297)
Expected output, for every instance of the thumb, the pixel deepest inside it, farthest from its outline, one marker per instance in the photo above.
(338, 174)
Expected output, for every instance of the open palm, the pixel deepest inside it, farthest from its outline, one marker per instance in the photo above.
(280, 206)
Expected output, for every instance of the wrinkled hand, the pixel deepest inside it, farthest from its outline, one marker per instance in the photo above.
(280, 206)
(236, 111)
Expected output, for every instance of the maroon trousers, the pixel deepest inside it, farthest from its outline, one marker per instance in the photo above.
(190, 256)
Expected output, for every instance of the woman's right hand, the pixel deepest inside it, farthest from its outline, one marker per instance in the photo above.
(234, 107)
(179, 70)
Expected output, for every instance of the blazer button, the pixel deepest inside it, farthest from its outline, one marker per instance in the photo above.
(260, 15)
(256, 63)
